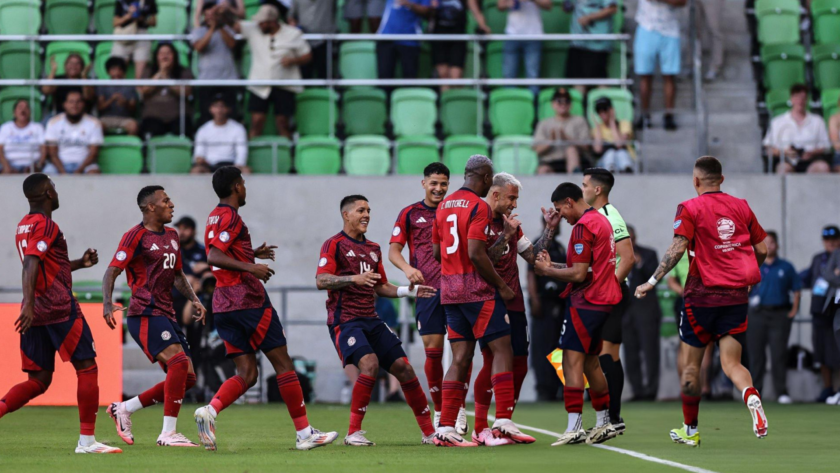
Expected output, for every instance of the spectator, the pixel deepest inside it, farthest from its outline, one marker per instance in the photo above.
(551, 132)
(613, 139)
(401, 17)
(450, 17)
(230, 9)
(21, 141)
(194, 262)
(356, 10)
(640, 327)
(523, 18)
(657, 37)
(798, 138)
(709, 13)
(74, 68)
(221, 141)
(831, 273)
(834, 136)
(117, 103)
(589, 59)
(314, 16)
(133, 17)
(277, 52)
(73, 139)
(214, 42)
(771, 317)
(162, 105)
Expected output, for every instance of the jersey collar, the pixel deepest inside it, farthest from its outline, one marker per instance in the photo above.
(361, 242)
(713, 192)
(469, 190)
(423, 203)
(228, 206)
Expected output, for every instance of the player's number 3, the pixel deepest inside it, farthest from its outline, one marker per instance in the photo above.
(169, 261)
(453, 219)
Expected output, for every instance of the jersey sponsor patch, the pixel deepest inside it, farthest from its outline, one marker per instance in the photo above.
(174, 244)
(374, 257)
(224, 236)
(322, 262)
(726, 228)
(42, 246)
(396, 231)
(578, 248)
(121, 256)
(677, 224)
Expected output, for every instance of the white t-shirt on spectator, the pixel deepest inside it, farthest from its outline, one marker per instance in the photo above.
(267, 51)
(524, 20)
(73, 139)
(784, 132)
(659, 17)
(22, 146)
(220, 144)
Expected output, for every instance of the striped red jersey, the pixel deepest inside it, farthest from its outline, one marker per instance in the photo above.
(38, 235)
(414, 228)
(506, 266)
(592, 242)
(151, 261)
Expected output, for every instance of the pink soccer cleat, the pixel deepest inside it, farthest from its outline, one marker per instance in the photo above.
(122, 419)
(488, 439)
(447, 437)
(505, 428)
(174, 439)
(96, 447)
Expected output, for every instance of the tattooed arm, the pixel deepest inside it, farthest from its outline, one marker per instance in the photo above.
(497, 249)
(185, 288)
(671, 258)
(543, 243)
(332, 282)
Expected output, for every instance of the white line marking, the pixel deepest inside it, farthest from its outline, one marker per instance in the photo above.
(640, 456)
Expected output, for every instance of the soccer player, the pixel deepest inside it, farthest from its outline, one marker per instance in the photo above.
(473, 295)
(597, 184)
(506, 240)
(50, 317)
(593, 290)
(350, 270)
(150, 254)
(725, 246)
(244, 317)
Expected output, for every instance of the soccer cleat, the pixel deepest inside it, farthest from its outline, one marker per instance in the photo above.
(505, 428)
(206, 423)
(357, 439)
(759, 420)
(447, 437)
(316, 439)
(833, 400)
(461, 425)
(600, 434)
(570, 438)
(487, 438)
(174, 439)
(437, 420)
(681, 436)
(122, 419)
(96, 447)
(428, 440)
(620, 427)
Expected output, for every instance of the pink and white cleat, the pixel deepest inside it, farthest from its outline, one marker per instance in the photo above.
(759, 420)
(447, 437)
(122, 419)
(505, 428)
(96, 447)
(488, 439)
(174, 439)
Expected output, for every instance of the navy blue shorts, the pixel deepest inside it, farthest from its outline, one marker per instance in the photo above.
(519, 337)
(582, 330)
(473, 321)
(154, 333)
(700, 326)
(248, 330)
(359, 337)
(431, 318)
(71, 339)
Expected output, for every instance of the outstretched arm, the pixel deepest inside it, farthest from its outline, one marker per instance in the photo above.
(543, 243)
(185, 288)
(331, 282)
(671, 258)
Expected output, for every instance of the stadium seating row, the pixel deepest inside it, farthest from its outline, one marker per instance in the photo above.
(778, 21)
(785, 65)
(778, 102)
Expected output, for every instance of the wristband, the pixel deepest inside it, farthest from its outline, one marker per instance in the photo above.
(652, 281)
(404, 291)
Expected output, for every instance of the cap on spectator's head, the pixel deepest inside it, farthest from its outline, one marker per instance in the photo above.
(831, 232)
(561, 94)
(188, 222)
(603, 104)
(266, 13)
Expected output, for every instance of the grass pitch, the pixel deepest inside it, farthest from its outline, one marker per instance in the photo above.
(261, 438)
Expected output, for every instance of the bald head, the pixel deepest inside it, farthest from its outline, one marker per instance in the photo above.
(478, 164)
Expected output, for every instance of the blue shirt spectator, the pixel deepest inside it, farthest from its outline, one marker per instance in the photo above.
(386, 311)
(778, 280)
(400, 18)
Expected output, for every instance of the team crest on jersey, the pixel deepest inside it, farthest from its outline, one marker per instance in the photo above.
(578, 248)
(174, 244)
(396, 231)
(42, 246)
(726, 228)
(166, 335)
(351, 341)
(677, 224)
(121, 255)
(322, 262)
(374, 257)
(224, 236)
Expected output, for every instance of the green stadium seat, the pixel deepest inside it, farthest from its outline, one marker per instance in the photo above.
(829, 98)
(270, 127)
(414, 153)
(494, 59)
(100, 57)
(496, 19)
(778, 102)
(341, 23)
(251, 7)
(512, 112)
(826, 59)
(169, 154)
(514, 154)
(424, 66)
(10, 95)
(367, 155)
(556, 20)
(778, 21)
(614, 64)
(357, 60)
(88, 291)
(316, 112)
(66, 16)
(364, 111)
(172, 17)
(618, 18)
(121, 155)
(20, 60)
(462, 111)
(245, 63)
(826, 20)
(784, 65)
(470, 69)
(622, 101)
(270, 155)
(545, 110)
(553, 59)
(20, 17)
(413, 111)
(61, 49)
(103, 16)
(316, 155)
(458, 149)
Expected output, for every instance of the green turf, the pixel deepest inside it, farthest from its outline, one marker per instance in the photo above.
(261, 438)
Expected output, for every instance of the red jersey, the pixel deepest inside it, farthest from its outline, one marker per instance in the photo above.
(414, 228)
(344, 256)
(38, 235)
(721, 231)
(460, 217)
(151, 260)
(592, 242)
(235, 290)
(506, 266)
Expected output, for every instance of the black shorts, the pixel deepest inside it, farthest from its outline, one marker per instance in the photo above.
(802, 165)
(451, 53)
(284, 102)
(612, 327)
(586, 64)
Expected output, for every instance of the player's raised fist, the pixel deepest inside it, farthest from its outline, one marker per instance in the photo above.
(551, 216)
(511, 224)
(90, 258)
(414, 276)
(265, 252)
(368, 278)
(262, 272)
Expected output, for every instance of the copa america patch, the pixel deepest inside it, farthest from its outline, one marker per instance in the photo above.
(42, 246)
(174, 244)
(166, 335)
(322, 262)
(121, 255)
(351, 341)
(374, 257)
(677, 224)
(224, 236)
(578, 248)
(396, 231)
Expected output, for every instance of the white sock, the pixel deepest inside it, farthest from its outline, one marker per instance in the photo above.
(574, 422)
(305, 433)
(603, 418)
(86, 440)
(133, 405)
(212, 411)
(169, 424)
(690, 430)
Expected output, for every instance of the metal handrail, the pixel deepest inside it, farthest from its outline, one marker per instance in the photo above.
(331, 37)
(310, 82)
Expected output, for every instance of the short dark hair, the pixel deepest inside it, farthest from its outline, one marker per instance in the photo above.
(436, 168)
(34, 184)
(797, 88)
(603, 104)
(186, 221)
(351, 199)
(218, 98)
(71, 92)
(145, 193)
(18, 101)
(602, 176)
(567, 190)
(116, 61)
(772, 233)
(561, 93)
(224, 179)
(710, 166)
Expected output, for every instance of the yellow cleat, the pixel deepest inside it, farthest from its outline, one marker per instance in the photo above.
(681, 436)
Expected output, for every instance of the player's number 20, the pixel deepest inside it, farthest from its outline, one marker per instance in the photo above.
(169, 261)
(453, 229)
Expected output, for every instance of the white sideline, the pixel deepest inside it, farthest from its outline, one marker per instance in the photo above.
(623, 451)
